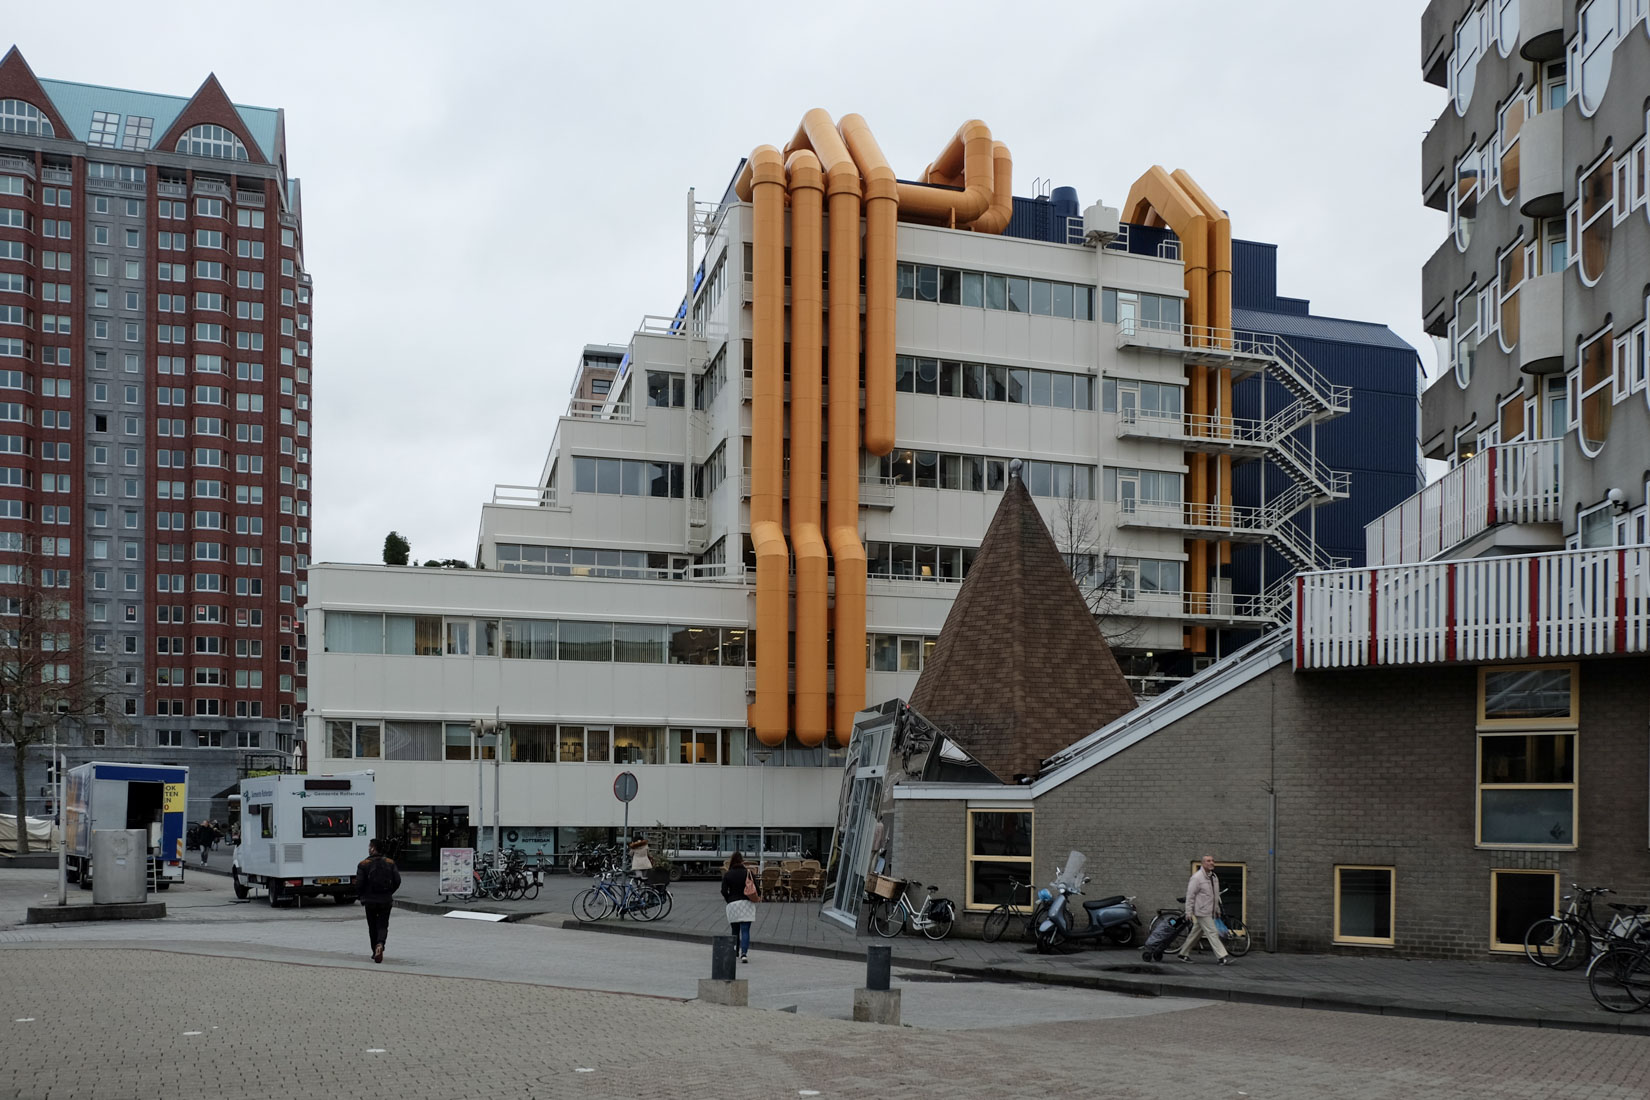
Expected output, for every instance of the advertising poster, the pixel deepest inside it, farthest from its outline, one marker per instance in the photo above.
(457, 870)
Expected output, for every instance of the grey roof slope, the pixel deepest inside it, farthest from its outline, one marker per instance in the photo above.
(1337, 329)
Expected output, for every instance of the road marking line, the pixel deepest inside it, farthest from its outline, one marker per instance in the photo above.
(376, 1050)
(582, 1069)
(191, 1033)
(24, 1020)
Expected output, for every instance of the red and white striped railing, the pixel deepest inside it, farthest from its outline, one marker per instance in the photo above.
(1579, 603)
(1507, 483)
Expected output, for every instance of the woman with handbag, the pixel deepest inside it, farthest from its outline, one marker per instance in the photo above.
(740, 892)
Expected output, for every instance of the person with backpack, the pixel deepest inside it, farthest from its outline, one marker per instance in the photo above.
(378, 879)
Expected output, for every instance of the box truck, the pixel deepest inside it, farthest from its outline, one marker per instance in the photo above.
(151, 797)
(302, 835)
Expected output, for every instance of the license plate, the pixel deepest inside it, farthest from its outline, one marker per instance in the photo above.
(326, 882)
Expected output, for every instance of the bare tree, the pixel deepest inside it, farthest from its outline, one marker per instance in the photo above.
(1078, 534)
(50, 682)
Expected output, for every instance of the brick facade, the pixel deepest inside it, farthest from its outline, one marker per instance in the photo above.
(1370, 767)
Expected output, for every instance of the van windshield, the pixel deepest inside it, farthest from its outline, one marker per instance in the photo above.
(320, 821)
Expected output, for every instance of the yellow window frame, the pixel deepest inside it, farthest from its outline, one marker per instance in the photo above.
(970, 859)
(1495, 888)
(1392, 906)
(1568, 722)
(1574, 787)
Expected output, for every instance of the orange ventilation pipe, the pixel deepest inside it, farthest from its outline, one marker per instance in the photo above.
(883, 198)
(842, 190)
(1001, 211)
(968, 154)
(1157, 198)
(1220, 320)
(767, 187)
(812, 567)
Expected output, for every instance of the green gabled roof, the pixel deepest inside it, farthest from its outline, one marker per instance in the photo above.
(76, 102)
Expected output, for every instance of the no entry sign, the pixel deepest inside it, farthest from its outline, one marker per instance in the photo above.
(625, 786)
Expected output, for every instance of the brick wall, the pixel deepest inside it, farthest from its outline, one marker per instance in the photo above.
(1370, 767)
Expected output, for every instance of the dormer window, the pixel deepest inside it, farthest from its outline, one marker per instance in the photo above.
(210, 140)
(20, 117)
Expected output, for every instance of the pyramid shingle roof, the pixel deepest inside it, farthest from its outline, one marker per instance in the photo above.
(1021, 669)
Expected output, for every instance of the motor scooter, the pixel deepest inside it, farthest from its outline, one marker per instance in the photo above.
(1113, 919)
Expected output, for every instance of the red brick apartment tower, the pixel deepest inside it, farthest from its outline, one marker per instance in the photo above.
(155, 410)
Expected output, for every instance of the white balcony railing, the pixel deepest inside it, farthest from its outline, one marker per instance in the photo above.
(1507, 483)
(582, 409)
(525, 496)
(1579, 603)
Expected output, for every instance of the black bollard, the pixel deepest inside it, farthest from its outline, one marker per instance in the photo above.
(724, 958)
(878, 963)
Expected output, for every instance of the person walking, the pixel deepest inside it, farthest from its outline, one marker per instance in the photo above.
(1202, 908)
(377, 879)
(739, 891)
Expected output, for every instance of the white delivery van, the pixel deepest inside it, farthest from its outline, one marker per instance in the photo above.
(303, 835)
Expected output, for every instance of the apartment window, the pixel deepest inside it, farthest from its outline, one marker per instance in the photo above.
(1366, 905)
(1517, 900)
(1000, 848)
(1527, 715)
(666, 390)
(1594, 381)
(628, 477)
(209, 140)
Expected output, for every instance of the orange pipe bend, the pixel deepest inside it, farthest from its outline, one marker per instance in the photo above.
(882, 205)
(968, 152)
(770, 715)
(1001, 211)
(812, 566)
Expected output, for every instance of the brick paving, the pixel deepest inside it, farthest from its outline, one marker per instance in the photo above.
(119, 1024)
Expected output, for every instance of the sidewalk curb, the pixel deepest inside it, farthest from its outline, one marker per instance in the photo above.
(1151, 987)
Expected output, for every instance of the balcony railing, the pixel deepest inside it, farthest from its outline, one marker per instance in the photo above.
(1579, 603)
(1507, 483)
(582, 409)
(525, 496)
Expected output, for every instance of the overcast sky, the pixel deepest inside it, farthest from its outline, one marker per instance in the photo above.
(490, 186)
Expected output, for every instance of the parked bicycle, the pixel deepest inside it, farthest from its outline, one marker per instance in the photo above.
(625, 896)
(1011, 914)
(1619, 978)
(1572, 938)
(890, 917)
(1235, 938)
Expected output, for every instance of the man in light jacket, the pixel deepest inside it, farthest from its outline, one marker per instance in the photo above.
(1202, 907)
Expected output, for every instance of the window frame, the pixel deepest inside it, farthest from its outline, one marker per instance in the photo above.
(1392, 907)
(970, 858)
(1500, 946)
(1566, 726)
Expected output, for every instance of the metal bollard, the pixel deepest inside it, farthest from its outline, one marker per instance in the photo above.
(878, 963)
(724, 958)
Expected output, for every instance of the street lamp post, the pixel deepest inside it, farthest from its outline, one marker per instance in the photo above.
(762, 758)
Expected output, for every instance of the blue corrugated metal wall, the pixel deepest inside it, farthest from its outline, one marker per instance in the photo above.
(1375, 443)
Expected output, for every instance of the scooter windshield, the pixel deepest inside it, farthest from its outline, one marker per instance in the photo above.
(1072, 873)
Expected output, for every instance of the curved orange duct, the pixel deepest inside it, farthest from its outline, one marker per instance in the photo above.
(969, 153)
(1001, 211)
(1220, 320)
(812, 567)
(1157, 198)
(883, 196)
(771, 713)
(842, 190)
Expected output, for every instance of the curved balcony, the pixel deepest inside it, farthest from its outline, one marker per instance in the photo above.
(1541, 165)
(1436, 161)
(1541, 29)
(1541, 324)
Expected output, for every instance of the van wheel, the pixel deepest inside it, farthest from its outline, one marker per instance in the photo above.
(241, 888)
(276, 894)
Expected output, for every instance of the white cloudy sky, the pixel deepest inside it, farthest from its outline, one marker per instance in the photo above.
(489, 186)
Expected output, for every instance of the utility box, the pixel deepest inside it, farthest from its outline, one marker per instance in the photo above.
(121, 857)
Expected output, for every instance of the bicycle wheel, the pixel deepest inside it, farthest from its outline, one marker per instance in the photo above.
(650, 904)
(592, 905)
(1581, 949)
(996, 923)
(1619, 979)
(937, 928)
(887, 919)
(532, 892)
(1239, 942)
(1549, 942)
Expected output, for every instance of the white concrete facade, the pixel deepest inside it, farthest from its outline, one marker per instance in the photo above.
(556, 551)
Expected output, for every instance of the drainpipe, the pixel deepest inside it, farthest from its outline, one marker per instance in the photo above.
(770, 717)
(812, 568)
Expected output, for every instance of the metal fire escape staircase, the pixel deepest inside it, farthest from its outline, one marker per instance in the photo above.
(1286, 438)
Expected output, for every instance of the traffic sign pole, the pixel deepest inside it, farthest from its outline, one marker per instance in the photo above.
(624, 789)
